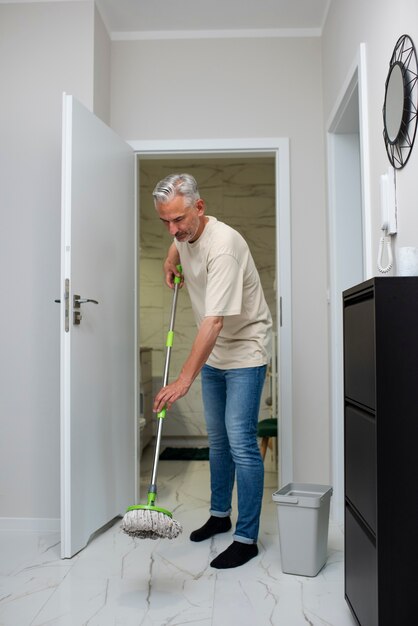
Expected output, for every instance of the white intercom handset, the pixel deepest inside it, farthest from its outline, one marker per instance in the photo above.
(389, 226)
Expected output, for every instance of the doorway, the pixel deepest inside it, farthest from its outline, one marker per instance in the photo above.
(240, 191)
(223, 175)
(349, 242)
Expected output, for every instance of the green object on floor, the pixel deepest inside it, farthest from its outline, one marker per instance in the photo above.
(267, 428)
(185, 454)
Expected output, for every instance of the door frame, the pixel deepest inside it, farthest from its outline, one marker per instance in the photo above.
(356, 79)
(279, 149)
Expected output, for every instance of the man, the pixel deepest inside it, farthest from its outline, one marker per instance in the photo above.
(231, 349)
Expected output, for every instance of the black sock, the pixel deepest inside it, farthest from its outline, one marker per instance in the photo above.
(237, 554)
(213, 526)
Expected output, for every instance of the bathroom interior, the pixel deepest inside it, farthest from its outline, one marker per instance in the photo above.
(240, 191)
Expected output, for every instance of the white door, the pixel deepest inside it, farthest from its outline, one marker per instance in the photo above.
(98, 354)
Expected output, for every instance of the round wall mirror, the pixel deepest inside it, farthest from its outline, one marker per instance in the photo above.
(401, 102)
(394, 103)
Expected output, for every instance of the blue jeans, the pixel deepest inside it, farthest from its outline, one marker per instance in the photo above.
(231, 400)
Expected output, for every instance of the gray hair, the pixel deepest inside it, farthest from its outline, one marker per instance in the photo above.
(176, 185)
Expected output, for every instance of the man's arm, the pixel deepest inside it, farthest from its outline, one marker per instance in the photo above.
(202, 347)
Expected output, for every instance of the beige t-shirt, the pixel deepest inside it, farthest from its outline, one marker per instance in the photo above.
(222, 280)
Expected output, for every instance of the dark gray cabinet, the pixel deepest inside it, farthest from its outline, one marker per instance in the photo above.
(381, 450)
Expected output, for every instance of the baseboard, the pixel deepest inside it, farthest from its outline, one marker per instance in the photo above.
(32, 524)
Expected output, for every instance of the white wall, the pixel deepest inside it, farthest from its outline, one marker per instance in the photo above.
(45, 49)
(238, 88)
(101, 97)
(379, 24)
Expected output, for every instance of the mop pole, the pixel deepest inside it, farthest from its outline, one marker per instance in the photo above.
(161, 415)
(148, 521)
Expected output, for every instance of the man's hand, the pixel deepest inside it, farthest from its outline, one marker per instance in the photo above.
(169, 394)
(170, 267)
(170, 271)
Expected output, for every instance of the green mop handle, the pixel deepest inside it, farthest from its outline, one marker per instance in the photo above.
(170, 335)
(169, 344)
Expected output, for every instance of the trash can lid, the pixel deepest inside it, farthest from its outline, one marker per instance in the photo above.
(303, 494)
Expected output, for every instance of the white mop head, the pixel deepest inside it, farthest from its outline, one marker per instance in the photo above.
(150, 524)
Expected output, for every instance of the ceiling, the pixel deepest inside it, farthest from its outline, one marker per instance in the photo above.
(152, 17)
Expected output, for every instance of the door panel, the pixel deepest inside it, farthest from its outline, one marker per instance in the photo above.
(98, 355)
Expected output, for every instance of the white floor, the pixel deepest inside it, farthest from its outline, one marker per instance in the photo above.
(119, 581)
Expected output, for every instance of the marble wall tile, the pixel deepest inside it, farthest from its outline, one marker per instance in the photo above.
(238, 191)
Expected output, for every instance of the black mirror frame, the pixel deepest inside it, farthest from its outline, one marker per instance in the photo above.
(399, 149)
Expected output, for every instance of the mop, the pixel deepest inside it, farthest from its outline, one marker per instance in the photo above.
(147, 521)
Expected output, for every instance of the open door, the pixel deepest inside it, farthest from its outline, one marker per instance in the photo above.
(98, 318)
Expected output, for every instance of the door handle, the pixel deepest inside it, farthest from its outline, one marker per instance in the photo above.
(77, 302)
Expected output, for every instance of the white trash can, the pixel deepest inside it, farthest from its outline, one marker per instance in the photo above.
(303, 514)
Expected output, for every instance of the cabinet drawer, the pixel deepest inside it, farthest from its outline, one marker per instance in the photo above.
(359, 352)
(360, 463)
(360, 571)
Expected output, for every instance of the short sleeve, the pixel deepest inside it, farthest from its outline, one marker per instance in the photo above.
(224, 287)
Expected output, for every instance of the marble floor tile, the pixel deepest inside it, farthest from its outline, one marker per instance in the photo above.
(120, 581)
